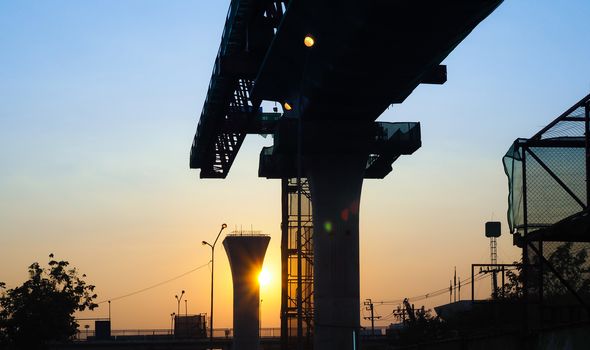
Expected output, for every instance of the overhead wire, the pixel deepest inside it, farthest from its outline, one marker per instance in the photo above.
(477, 277)
(154, 285)
(480, 275)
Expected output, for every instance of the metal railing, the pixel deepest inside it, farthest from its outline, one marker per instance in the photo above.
(160, 334)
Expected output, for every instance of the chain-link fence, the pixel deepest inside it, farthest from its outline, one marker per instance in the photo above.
(548, 214)
(547, 182)
(558, 281)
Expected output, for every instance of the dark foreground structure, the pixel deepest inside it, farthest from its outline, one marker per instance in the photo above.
(566, 338)
(548, 215)
(334, 67)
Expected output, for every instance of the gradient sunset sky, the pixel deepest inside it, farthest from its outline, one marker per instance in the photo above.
(99, 102)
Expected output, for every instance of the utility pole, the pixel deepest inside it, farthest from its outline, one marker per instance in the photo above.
(400, 314)
(450, 291)
(369, 304)
(455, 284)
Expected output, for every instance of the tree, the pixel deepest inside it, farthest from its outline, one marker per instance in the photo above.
(42, 308)
(571, 266)
(513, 288)
(419, 325)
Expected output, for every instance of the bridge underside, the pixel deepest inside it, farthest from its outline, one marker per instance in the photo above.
(368, 54)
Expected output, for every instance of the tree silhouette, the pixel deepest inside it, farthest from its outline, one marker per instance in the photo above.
(42, 309)
(514, 287)
(572, 266)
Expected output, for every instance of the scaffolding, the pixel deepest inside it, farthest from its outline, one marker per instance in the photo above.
(297, 265)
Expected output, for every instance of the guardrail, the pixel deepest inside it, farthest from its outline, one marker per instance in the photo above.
(159, 334)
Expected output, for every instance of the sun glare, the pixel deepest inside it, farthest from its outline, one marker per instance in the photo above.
(264, 277)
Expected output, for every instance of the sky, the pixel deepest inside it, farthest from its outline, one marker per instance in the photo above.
(99, 102)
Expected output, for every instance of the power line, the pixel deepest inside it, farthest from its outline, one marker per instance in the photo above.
(154, 286)
(387, 317)
(477, 277)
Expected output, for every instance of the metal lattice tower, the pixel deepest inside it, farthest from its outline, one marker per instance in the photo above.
(297, 310)
(493, 250)
(494, 261)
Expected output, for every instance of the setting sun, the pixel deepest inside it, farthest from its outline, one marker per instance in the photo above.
(264, 277)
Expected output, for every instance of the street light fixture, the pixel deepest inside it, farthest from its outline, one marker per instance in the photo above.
(172, 323)
(309, 40)
(223, 226)
(178, 302)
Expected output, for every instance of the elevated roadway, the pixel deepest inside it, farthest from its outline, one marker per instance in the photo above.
(367, 55)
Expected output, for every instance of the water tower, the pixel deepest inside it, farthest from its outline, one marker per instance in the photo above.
(493, 231)
(246, 255)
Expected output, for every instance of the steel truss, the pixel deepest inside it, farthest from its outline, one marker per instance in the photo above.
(550, 191)
(296, 311)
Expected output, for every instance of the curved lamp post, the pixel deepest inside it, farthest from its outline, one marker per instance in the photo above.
(223, 226)
(178, 302)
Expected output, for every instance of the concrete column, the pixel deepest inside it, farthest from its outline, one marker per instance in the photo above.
(246, 254)
(336, 182)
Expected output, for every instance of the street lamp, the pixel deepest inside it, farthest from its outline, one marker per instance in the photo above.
(309, 41)
(172, 323)
(178, 302)
(223, 226)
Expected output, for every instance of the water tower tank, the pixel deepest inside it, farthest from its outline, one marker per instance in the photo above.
(246, 255)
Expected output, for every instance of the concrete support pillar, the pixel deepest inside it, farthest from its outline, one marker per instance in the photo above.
(336, 182)
(246, 255)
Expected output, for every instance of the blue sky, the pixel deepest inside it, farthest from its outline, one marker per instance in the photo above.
(99, 101)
